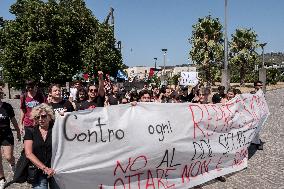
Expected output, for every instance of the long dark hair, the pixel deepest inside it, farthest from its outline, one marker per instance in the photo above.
(81, 90)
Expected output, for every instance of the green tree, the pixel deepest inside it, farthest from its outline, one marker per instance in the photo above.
(243, 55)
(49, 41)
(273, 76)
(100, 53)
(207, 48)
(174, 80)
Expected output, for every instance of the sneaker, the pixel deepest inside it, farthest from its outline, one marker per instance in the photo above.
(260, 146)
(221, 179)
(2, 183)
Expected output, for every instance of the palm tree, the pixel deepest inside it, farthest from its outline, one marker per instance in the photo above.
(242, 52)
(207, 47)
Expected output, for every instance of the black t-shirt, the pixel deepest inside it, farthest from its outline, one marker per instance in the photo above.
(217, 97)
(112, 100)
(81, 105)
(41, 149)
(187, 98)
(64, 104)
(6, 113)
(98, 102)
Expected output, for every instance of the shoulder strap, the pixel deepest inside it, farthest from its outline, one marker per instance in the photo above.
(24, 103)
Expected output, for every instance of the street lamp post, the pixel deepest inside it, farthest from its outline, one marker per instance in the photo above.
(165, 52)
(225, 71)
(163, 77)
(155, 63)
(262, 71)
(188, 64)
(262, 45)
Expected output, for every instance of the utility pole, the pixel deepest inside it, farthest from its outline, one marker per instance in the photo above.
(262, 70)
(165, 52)
(163, 78)
(225, 71)
(155, 63)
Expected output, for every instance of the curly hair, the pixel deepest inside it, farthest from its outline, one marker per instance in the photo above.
(42, 107)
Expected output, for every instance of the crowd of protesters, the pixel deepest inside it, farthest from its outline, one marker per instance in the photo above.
(38, 112)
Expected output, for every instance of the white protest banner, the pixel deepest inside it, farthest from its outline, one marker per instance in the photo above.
(189, 78)
(155, 145)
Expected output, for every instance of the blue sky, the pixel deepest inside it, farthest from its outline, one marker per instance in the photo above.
(147, 26)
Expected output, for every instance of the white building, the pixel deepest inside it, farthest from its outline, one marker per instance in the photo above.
(178, 70)
(142, 72)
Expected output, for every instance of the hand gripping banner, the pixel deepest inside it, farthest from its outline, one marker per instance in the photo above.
(155, 146)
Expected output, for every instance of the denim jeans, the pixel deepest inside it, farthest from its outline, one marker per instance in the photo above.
(42, 183)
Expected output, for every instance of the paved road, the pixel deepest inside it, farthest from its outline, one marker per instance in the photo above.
(266, 168)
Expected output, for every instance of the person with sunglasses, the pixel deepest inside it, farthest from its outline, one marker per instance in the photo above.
(7, 115)
(257, 86)
(31, 98)
(257, 141)
(96, 95)
(38, 146)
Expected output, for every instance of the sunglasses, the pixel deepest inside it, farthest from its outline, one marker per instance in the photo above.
(30, 87)
(93, 90)
(41, 116)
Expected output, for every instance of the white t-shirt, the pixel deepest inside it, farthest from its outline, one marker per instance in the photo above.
(73, 92)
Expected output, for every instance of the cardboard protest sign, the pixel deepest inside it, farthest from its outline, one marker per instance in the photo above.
(189, 78)
(155, 145)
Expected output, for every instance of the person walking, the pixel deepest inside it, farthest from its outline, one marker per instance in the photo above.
(31, 98)
(7, 115)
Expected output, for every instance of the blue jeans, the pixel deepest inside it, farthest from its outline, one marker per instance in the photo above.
(42, 183)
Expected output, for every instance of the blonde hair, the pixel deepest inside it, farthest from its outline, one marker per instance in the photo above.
(42, 107)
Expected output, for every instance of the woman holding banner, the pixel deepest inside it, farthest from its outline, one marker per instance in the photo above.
(38, 146)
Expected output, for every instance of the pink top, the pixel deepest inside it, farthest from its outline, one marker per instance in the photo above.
(28, 106)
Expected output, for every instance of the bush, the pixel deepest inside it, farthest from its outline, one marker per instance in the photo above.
(273, 75)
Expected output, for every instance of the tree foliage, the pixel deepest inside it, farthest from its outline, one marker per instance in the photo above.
(50, 41)
(207, 48)
(243, 55)
(100, 53)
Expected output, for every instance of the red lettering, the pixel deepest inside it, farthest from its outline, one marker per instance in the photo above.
(145, 163)
(166, 175)
(205, 165)
(130, 167)
(198, 169)
(138, 179)
(209, 120)
(219, 163)
(216, 120)
(240, 156)
(185, 173)
(160, 178)
(195, 122)
(122, 183)
(150, 176)
(119, 165)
